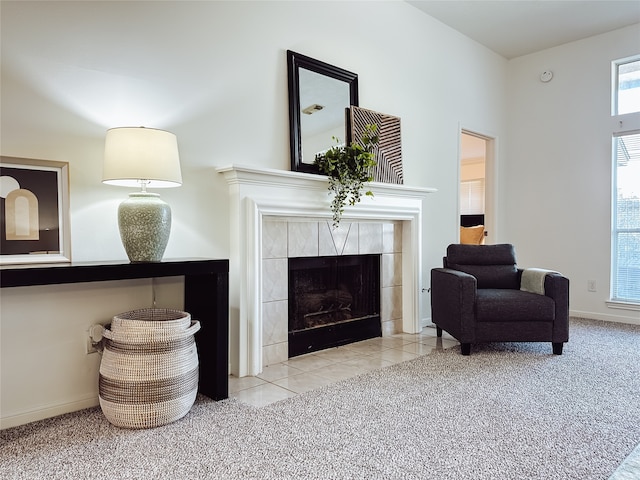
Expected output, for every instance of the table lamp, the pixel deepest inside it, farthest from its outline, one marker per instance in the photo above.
(145, 158)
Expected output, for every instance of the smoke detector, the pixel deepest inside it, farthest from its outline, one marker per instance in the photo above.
(546, 76)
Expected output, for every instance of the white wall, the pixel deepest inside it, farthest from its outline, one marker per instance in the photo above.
(214, 73)
(556, 197)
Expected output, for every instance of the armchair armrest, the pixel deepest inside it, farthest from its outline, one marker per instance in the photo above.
(453, 295)
(556, 286)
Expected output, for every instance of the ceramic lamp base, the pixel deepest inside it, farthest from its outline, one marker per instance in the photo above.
(145, 224)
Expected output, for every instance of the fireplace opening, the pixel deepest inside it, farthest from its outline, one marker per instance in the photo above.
(333, 301)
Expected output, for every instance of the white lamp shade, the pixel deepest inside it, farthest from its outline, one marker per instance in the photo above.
(132, 154)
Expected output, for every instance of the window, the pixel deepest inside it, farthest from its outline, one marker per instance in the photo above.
(627, 88)
(472, 197)
(625, 238)
(626, 219)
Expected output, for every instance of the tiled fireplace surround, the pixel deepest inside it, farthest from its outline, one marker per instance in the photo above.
(277, 214)
(285, 238)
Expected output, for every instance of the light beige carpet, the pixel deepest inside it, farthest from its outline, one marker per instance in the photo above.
(508, 411)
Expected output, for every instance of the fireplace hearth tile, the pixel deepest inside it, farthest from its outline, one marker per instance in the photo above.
(391, 327)
(342, 240)
(337, 354)
(367, 348)
(264, 394)
(419, 348)
(391, 269)
(394, 355)
(275, 353)
(278, 371)
(352, 244)
(274, 330)
(394, 341)
(303, 383)
(369, 362)
(274, 239)
(303, 239)
(370, 238)
(326, 245)
(346, 362)
(391, 302)
(273, 288)
(439, 343)
(392, 237)
(340, 371)
(308, 362)
(236, 384)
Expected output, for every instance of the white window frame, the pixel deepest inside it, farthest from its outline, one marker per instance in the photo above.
(625, 124)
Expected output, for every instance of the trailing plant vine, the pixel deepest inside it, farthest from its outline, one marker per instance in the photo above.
(348, 168)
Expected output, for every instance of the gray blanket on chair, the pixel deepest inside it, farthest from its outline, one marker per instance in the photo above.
(533, 280)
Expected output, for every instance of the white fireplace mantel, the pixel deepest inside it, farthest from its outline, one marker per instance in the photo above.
(256, 193)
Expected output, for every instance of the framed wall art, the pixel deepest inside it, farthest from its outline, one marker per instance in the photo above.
(34, 211)
(389, 150)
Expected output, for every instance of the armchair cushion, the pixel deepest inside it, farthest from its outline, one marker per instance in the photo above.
(508, 305)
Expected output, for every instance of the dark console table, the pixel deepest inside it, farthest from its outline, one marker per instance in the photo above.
(206, 298)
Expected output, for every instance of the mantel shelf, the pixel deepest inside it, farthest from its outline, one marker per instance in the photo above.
(267, 176)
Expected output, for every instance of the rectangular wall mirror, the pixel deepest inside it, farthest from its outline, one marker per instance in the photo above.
(319, 93)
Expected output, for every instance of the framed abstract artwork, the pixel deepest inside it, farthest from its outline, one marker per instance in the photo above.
(34, 211)
(389, 150)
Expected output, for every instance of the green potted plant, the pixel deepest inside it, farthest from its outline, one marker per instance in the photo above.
(348, 168)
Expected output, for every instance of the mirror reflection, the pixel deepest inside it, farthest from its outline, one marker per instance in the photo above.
(322, 112)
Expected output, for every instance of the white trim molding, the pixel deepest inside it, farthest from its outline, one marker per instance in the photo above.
(632, 319)
(623, 305)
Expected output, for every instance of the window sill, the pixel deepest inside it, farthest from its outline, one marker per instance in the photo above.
(623, 305)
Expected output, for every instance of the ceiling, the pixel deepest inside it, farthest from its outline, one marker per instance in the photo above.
(513, 28)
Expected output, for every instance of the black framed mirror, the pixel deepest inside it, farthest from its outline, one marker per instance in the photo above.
(319, 93)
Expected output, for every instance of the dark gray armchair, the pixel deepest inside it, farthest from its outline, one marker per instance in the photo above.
(477, 298)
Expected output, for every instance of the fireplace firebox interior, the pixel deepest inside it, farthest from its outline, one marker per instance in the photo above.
(333, 301)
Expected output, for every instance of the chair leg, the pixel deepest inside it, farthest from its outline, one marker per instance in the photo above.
(438, 331)
(465, 348)
(557, 348)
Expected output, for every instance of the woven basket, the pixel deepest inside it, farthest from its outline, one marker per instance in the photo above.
(149, 368)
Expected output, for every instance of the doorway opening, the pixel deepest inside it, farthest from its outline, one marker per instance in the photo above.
(476, 187)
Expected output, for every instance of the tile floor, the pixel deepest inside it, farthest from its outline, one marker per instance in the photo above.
(317, 369)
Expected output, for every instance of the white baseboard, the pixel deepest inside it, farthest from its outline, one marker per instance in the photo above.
(426, 322)
(633, 317)
(47, 412)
